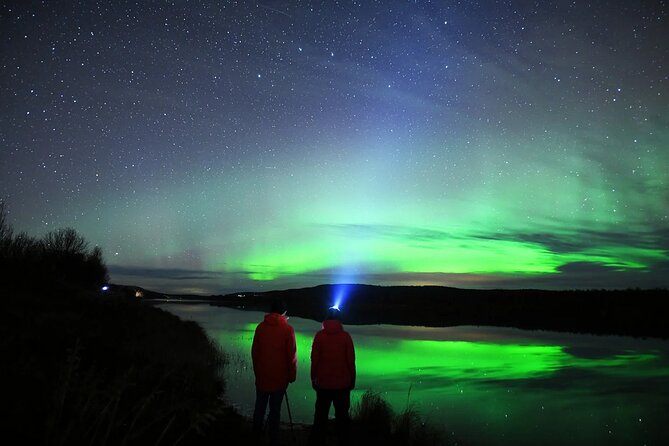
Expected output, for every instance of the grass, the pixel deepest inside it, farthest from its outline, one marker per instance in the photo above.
(91, 369)
(375, 422)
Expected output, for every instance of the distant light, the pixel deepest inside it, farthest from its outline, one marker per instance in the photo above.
(105, 288)
(335, 307)
(341, 292)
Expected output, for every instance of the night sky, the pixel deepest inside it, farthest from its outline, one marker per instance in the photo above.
(213, 146)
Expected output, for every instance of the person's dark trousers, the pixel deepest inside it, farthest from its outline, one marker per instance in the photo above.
(274, 418)
(341, 399)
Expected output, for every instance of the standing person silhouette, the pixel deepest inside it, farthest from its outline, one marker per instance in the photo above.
(332, 377)
(274, 355)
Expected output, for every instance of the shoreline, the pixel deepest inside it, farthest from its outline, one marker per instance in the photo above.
(632, 313)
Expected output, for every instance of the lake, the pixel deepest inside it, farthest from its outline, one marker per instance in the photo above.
(479, 385)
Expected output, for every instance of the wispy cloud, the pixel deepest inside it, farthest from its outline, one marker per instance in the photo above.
(559, 241)
(582, 239)
(163, 273)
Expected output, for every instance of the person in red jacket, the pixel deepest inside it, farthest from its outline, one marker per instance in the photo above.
(275, 366)
(332, 377)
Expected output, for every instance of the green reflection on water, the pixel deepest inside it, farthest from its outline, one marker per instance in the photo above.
(460, 359)
(468, 361)
(482, 385)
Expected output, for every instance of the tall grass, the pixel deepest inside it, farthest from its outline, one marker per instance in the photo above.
(375, 422)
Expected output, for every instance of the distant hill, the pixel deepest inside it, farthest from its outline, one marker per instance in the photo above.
(631, 312)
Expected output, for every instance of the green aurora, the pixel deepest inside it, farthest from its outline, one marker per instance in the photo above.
(411, 143)
(458, 255)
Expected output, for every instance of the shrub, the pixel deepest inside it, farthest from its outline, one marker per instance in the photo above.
(62, 259)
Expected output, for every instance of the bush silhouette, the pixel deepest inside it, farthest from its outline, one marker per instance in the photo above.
(62, 259)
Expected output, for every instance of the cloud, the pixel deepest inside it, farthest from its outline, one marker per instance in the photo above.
(559, 241)
(163, 273)
(394, 232)
(575, 275)
(582, 239)
(592, 275)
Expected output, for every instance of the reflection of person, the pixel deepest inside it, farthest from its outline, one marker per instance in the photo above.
(332, 377)
(275, 365)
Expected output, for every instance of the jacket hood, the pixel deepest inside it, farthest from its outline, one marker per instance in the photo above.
(275, 319)
(332, 326)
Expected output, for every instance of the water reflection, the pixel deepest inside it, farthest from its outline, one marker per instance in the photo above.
(481, 385)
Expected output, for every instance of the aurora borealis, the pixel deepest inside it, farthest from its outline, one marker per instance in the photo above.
(213, 146)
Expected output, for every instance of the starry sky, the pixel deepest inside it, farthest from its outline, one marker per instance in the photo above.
(216, 146)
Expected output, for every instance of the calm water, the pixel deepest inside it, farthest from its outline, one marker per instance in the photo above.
(480, 385)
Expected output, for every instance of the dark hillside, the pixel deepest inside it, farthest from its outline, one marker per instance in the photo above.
(82, 366)
(621, 312)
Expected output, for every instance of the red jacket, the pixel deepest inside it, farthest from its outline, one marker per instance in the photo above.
(274, 354)
(332, 358)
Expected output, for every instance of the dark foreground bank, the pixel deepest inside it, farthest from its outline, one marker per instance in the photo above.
(101, 368)
(82, 368)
